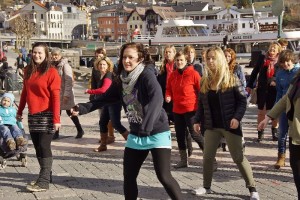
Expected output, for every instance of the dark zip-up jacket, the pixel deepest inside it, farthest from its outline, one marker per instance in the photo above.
(233, 103)
(144, 109)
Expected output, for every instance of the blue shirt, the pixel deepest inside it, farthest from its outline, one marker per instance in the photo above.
(283, 80)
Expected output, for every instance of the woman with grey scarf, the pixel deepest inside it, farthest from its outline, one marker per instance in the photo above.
(142, 98)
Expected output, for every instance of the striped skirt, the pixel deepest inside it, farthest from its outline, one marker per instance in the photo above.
(41, 122)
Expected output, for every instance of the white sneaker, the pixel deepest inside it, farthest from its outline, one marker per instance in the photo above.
(201, 191)
(254, 196)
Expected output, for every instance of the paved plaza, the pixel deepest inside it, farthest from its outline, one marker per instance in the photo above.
(80, 173)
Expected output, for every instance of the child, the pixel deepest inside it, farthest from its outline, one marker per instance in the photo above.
(284, 76)
(9, 129)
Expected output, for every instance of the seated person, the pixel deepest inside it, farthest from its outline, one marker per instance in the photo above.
(9, 129)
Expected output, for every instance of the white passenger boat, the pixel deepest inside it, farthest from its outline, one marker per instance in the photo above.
(185, 31)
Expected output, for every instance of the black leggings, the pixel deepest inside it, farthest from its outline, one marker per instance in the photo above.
(184, 123)
(133, 160)
(42, 144)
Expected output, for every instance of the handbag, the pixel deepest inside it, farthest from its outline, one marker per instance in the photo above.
(253, 96)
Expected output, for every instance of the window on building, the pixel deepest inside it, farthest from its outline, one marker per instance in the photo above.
(135, 26)
(133, 18)
(32, 8)
(243, 25)
(130, 26)
(251, 25)
(197, 18)
(137, 18)
(42, 16)
(141, 26)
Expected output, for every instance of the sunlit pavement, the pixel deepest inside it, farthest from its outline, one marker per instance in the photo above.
(80, 173)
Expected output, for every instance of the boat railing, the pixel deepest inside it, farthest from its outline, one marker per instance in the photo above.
(216, 34)
(143, 37)
(183, 35)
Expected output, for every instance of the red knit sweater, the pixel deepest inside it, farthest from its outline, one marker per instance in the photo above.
(183, 90)
(42, 93)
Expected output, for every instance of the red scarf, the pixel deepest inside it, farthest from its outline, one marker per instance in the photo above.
(270, 63)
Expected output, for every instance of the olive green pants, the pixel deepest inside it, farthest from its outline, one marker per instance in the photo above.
(234, 142)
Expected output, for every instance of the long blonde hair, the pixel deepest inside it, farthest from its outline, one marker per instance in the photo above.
(165, 61)
(221, 78)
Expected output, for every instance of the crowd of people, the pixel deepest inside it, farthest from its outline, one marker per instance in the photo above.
(205, 101)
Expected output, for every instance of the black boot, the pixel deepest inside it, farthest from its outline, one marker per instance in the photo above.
(224, 146)
(80, 133)
(77, 124)
(260, 135)
(42, 184)
(275, 134)
(56, 135)
(189, 143)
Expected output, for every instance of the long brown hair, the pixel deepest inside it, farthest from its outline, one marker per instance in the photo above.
(232, 63)
(143, 54)
(43, 67)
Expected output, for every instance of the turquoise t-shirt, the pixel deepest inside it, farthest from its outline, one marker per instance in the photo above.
(159, 140)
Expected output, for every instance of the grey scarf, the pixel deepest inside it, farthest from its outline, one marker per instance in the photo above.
(129, 79)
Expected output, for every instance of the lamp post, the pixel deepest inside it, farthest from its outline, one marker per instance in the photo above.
(61, 36)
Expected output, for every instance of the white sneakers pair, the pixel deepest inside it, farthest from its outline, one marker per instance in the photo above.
(201, 191)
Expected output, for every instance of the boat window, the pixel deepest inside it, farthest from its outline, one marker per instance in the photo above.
(184, 31)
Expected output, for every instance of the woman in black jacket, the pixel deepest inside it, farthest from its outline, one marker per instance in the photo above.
(266, 67)
(222, 105)
(142, 98)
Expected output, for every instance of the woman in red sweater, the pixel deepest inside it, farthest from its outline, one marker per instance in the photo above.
(183, 88)
(110, 112)
(41, 84)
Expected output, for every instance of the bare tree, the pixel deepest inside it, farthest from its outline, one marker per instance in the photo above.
(24, 29)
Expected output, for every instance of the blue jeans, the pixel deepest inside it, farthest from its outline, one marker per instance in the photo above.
(8, 132)
(113, 113)
(283, 132)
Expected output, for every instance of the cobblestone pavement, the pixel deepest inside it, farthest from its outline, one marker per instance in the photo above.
(80, 173)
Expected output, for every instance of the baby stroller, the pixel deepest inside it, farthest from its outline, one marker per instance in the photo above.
(20, 152)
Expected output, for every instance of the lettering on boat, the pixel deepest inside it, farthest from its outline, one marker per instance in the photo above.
(242, 37)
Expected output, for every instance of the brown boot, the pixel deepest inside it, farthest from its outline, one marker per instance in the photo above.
(280, 161)
(125, 135)
(21, 141)
(111, 136)
(11, 144)
(103, 144)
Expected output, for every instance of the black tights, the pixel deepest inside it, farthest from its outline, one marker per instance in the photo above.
(42, 144)
(295, 164)
(133, 160)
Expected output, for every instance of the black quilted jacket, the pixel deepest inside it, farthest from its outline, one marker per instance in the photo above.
(233, 104)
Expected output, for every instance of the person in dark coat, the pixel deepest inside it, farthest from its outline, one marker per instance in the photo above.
(168, 66)
(266, 69)
(142, 97)
(3, 71)
(221, 107)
